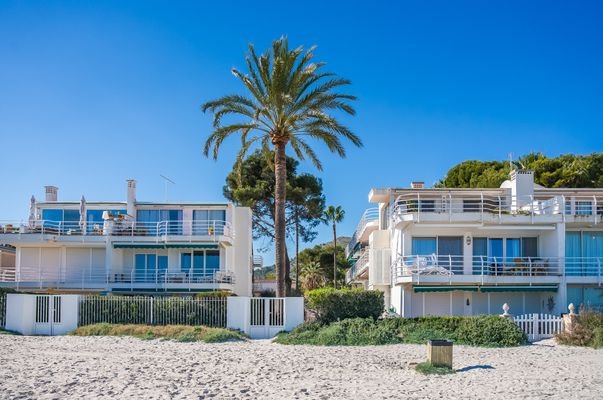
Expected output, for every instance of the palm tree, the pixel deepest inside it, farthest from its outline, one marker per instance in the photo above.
(289, 100)
(334, 215)
(312, 275)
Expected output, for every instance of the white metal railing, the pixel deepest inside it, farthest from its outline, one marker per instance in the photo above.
(448, 265)
(207, 311)
(120, 227)
(589, 208)
(87, 278)
(369, 215)
(358, 267)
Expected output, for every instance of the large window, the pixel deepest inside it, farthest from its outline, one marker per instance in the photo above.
(200, 263)
(149, 267)
(209, 222)
(161, 222)
(94, 219)
(65, 221)
(583, 250)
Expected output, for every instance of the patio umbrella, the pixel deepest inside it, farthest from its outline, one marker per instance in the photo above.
(83, 214)
(32, 211)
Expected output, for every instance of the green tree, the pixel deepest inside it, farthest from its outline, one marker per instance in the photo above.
(312, 275)
(333, 216)
(567, 170)
(323, 255)
(289, 99)
(252, 183)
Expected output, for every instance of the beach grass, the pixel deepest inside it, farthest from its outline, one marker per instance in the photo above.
(428, 368)
(5, 332)
(177, 333)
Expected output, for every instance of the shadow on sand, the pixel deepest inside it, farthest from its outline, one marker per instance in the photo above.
(469, 368)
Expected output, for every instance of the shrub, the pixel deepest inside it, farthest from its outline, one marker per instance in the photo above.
(178, 333)
(331, 304)
(587, 332)
(475, 331)
(490, 330)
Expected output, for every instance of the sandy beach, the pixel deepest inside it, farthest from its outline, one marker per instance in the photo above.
(126, 368)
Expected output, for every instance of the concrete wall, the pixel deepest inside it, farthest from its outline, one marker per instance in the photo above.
(21, 315)
(239, 256)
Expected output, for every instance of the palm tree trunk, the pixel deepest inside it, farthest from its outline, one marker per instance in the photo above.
(297, 249)
(280, 176)
(334, 256)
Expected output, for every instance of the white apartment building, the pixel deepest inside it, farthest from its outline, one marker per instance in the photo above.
(130, 246)
(468, 251)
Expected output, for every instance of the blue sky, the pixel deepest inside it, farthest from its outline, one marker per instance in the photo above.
(93, 93)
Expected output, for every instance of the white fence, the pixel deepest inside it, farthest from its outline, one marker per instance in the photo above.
(2, 310)
(539, 326)
(260, 318)
(208, 311)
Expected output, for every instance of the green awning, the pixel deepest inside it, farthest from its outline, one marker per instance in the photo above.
(424, 289)
(535, 288)
(164, 246)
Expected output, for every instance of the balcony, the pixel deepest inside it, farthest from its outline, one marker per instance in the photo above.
(494, 270)
(34, 278)
(119, 230)
(490, 208)
(368, 223)
(359, 269)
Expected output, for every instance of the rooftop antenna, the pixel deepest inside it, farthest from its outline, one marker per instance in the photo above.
(166, 180)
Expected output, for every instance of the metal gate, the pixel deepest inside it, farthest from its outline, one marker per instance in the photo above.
(266, 317)
(47, 314)
(539, 326)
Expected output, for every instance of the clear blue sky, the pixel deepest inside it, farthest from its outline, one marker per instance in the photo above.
(92, 93)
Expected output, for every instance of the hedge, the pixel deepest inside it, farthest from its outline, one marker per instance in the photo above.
(331, 304)
(487, 331)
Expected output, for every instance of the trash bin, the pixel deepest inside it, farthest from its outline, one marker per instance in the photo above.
(439, 353)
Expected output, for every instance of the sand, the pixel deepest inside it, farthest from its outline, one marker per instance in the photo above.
(126, 368)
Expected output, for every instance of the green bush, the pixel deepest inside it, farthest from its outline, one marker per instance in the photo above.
(332, 305)
(474, 331)
(587, 332)
(490, 330)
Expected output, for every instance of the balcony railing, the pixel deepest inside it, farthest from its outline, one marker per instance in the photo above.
(85, 278)
(120, 228)
(420, 265)
(589, 208)
(369, 215)
(358, 267)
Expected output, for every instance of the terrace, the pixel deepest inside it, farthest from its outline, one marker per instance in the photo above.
(368, 223)
(119, 230)
(433, 206)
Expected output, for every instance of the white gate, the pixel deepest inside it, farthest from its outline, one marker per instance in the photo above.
(539, 326)
(266, 317)
(47, 314)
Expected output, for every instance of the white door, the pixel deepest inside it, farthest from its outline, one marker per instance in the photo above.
(266, 317)
(47, 314)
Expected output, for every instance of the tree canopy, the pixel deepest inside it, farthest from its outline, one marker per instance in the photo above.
(251, 184)
(567, 170)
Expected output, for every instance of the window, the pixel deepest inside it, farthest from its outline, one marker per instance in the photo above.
(148, 267)
(472, 205)
(208, 222)
(584, 207)
(64, 220)
(94, 219)
(427, 205)
(200, 263)
(162, 222)
(423, 246)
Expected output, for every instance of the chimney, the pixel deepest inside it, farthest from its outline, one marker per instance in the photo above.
(417, 185)
(52, 193)
(131, 198)
(522, 187)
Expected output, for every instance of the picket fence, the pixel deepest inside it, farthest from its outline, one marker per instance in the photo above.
(539, 326)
